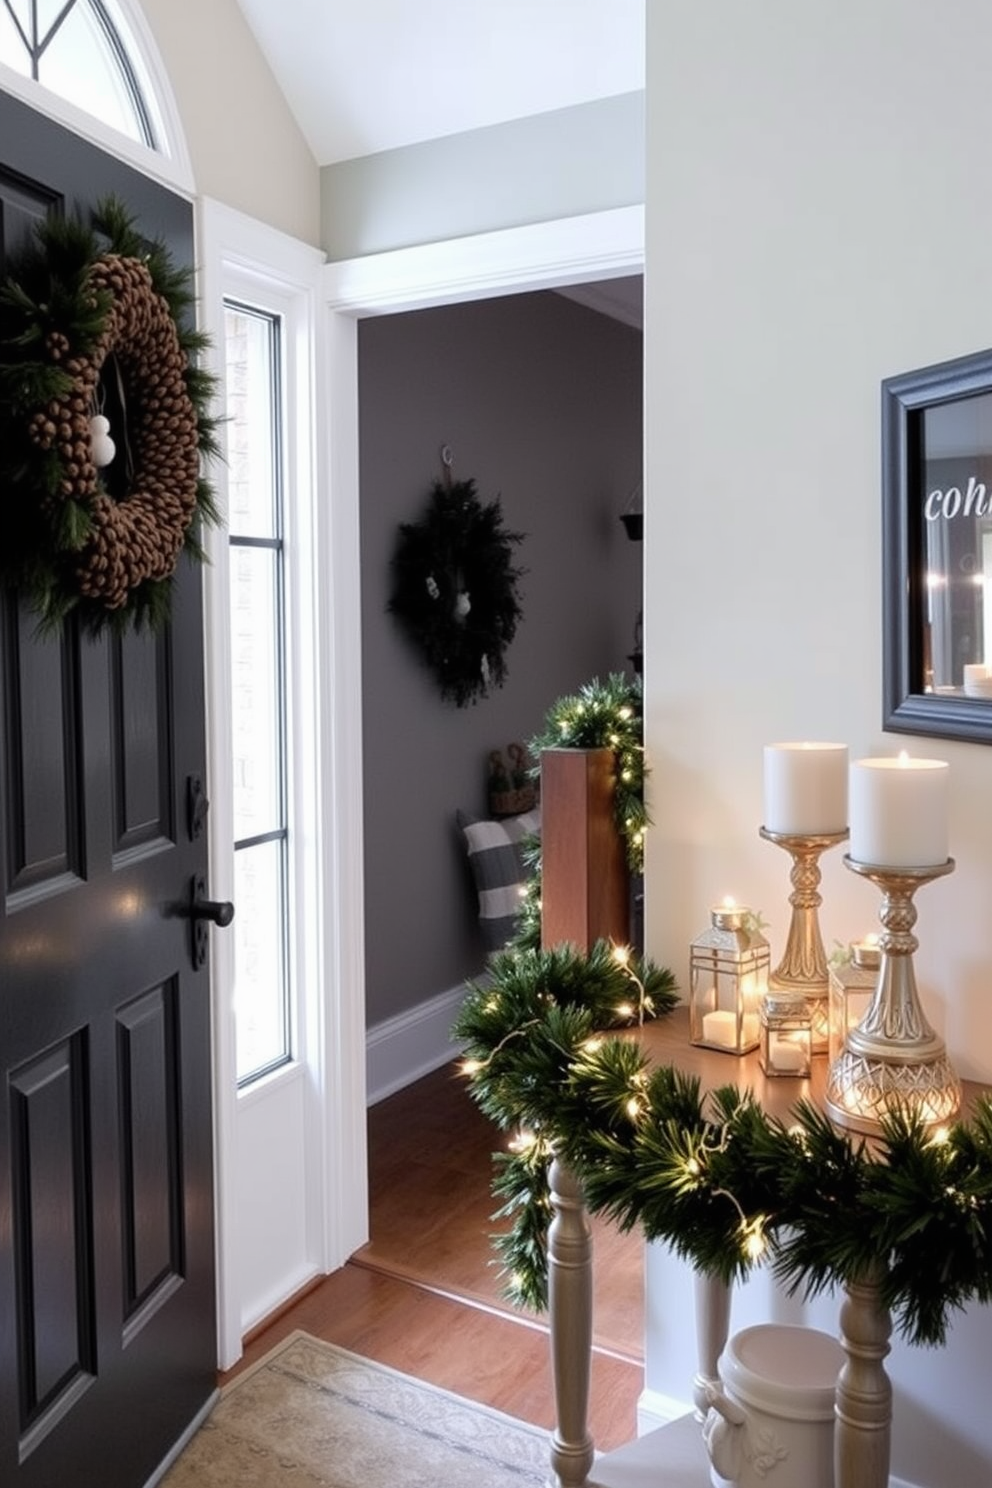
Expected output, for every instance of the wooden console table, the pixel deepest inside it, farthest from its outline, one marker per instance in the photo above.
(674, 1456)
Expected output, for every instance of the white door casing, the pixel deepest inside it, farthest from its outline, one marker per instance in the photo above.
(543, 256)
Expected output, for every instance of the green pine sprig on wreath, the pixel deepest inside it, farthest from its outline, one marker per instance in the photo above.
(456, 589)
(53, 319)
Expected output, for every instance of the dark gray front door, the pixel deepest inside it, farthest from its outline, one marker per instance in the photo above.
(107, 1314)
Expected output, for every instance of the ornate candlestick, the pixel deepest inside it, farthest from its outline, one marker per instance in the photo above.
(893, 1059)
(803, 967)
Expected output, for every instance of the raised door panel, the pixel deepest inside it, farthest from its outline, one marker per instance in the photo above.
(41, 745)
(52, 1237)
(142, 727)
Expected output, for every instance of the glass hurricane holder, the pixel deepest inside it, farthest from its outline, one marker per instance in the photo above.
(893, 1060)
(852, 985)
(728, 977)
(786, 1035)
(803, 967)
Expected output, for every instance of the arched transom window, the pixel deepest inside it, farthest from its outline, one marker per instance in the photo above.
(85, 52)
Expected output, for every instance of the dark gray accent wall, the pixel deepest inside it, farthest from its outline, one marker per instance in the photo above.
(540, 401)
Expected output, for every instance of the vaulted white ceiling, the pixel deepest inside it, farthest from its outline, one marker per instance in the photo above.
(363, 76)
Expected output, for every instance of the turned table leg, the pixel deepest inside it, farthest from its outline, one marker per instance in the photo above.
(570, 1323)
(863, 1434)
(712, 1303)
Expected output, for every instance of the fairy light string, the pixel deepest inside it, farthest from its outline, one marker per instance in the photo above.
(726, 1186)
(556, 1063)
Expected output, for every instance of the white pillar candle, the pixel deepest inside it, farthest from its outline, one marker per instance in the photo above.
(805, 789)
(899, 812)
(720, 1028)
(787, 1054)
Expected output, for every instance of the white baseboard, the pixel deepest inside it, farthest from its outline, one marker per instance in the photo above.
(412, 1044)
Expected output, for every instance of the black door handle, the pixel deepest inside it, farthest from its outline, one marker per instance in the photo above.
(220, 911)
(201, 910)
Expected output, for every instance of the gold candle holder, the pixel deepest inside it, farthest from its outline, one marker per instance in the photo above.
(803, 967)
(893, 1060)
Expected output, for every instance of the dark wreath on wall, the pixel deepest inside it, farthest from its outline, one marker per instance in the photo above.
(455, 589)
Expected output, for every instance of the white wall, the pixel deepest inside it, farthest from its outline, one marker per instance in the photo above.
(818, 217)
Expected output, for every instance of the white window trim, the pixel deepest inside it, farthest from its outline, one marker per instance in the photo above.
(245, 260)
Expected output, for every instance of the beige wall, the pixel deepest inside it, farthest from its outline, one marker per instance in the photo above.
(244, 143)
(818, 217)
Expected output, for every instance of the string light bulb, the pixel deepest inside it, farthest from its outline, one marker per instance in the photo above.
(753, 1239)
(621, 955)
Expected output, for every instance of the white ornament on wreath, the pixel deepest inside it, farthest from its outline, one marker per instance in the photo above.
(102, 447)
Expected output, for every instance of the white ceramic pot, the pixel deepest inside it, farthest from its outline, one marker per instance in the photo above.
(771, 1424)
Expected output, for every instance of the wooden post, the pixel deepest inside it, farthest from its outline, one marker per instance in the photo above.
(584, 882)
(584, 898)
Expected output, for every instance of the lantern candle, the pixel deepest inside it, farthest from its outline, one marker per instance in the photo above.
(899, 812)
(805, 789)
(720, 1027)
(728, 976)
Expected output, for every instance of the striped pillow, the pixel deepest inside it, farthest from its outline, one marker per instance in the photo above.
(496, 860)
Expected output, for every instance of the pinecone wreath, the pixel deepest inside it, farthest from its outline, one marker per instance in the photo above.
(103, 421)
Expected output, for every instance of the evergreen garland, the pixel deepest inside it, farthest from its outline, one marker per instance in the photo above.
(601, 715)
(455, 590)
(521, 1030)
(724, 1184)
(607, 715)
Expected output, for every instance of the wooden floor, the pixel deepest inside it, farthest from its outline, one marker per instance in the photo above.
(424, 1295)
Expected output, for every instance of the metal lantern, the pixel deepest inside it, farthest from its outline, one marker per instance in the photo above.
(728, 977)
(786, 1035)
(852, 983)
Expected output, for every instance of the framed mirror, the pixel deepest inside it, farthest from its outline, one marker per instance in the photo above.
(937, 550)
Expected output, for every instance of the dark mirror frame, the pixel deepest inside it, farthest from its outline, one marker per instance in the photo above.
(906, 708)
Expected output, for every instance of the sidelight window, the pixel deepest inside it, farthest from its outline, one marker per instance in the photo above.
(258, 689)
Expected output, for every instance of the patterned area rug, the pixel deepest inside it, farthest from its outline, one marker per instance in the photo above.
(310, 1415)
